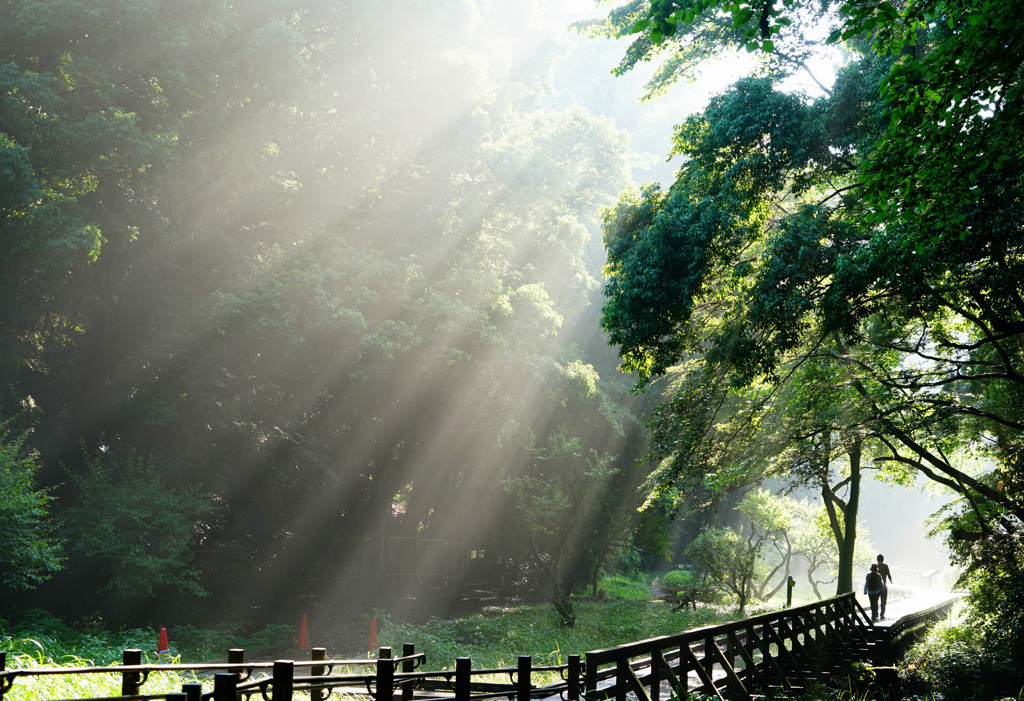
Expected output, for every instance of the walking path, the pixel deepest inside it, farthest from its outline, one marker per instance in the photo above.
(904, 601)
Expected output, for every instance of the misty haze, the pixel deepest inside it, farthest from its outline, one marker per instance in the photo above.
(351, 313)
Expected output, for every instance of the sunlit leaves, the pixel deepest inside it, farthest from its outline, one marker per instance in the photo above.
(669, 252)
(30, 553)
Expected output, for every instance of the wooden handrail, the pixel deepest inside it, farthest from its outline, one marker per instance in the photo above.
(736, 660)
(736, 657)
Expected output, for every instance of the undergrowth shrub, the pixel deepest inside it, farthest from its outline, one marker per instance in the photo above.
(622, 587)
(43, 637)
(43, 640)
(496, 636)
(954, 662)
(48, 640)
(679, 578)
(81, 686)
(197, 644)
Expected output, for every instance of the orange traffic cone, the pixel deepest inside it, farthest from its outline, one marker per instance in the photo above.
(371, 644)
(163, 650)
(303, 635)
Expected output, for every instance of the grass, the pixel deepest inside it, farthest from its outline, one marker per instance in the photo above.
(497, 636)
(42, 640)
(72, 686)
(493, 638)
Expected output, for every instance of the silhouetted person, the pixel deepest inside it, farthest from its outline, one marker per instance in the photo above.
(873, 587)
(883, 571)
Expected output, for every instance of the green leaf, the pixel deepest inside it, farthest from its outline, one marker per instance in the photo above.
(640, 25)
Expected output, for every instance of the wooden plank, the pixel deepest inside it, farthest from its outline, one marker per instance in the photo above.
(632, 683)
(771, 659)
(780, 643)
(750, 668)
(663, 668)
(708, 684)
(733, 682)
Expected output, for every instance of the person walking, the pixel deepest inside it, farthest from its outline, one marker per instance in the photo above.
(883, 571)
(873, 588)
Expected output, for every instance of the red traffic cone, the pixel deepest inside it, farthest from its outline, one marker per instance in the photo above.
(371, 644)
(163, 650)
(303, 635)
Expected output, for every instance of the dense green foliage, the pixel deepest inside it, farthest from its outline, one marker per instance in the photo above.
(43, 639)
(134, 528)
(680, 578)
(956, 662)
(496, 637)
(619, 587)
(270, 287)
(868, 239)
(29, 553)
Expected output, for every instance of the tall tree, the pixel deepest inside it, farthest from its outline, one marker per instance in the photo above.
(319, 283)
(794, 222)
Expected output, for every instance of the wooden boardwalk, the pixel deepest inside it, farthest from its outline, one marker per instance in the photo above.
(912, 600)
(777, 653)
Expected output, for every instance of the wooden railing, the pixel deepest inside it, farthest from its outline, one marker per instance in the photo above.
(383, 679)
(894, 640)
(773, 652)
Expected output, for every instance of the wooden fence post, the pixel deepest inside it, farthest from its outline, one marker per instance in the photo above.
(463, 676)
(193, 691)
(317, 654)
(408, 666)
(224, 684)
(385, 676)
(236, 655)
(622, 672)
(131, 682)
(523, 685)
(573, 678)
(283, 681)
(589, 676)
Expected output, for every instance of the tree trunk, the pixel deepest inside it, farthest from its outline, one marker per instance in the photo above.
(844, 582)
(563, 604)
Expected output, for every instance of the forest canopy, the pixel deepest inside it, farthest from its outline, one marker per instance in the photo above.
(275, 281)
(870, 236)
(292, 296)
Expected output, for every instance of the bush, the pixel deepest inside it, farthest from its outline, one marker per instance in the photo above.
(497, 636)
(196, 644)
(46, 639)
(131, 527)
(679, 578)
(29, 552)
(618, 587)
(953, 662)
